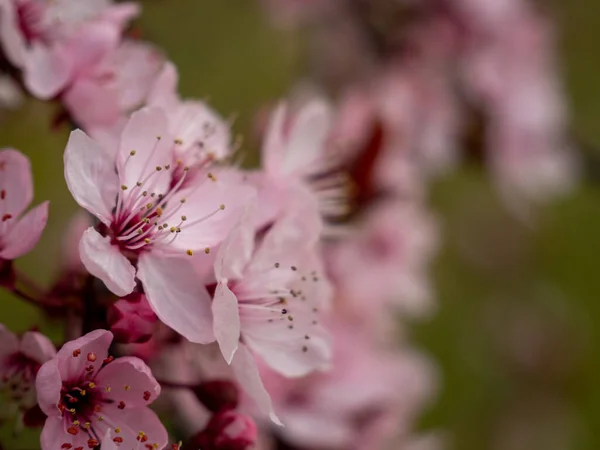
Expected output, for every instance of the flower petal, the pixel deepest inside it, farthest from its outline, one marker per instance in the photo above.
(164, 90)
(131, 380)
(177, 296)
(146, 134)
(90, 175)
(25, 233)
(15, 181)
(246, 372)
(47, 70)
(88, 350)
(235, 252)
(12, 40)
(37, 346)
(105, 261)
(47, 385)
(307, 138)
(54, 435)
(133, 424)
(85, 92)
(211, 209)
(273, 147)
(226, 321)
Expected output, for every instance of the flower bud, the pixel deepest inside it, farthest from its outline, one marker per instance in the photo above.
(227, 430)
(131, 319)
(217, 395)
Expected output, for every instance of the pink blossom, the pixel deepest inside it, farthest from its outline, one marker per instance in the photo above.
(116, 85)
(297, 161)
(20, 360)
(369, 396)
(53, 41)
(268, 296)
(85, 393)
(148, 224)
(18, 233)
(386, 262)
(202, 135)
(131, 319)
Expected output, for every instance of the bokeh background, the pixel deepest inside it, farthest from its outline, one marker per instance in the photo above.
(517, 330)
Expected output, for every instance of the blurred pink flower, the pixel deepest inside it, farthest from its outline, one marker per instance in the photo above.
(53, 41)
(369, 396)
(148, 222)
(131, 319)
(85, 393)
(386, 262)
(20, 360)
(115, 84)
(296, 162)
(18, 233)
(269, 294)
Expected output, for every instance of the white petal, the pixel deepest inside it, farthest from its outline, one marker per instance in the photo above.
(105, 261)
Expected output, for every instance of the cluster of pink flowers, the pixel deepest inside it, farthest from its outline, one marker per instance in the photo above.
(264, 302)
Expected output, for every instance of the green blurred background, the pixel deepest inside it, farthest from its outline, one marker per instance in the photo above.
(519, 314)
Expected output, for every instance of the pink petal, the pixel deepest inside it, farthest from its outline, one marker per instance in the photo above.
(246, 372)
(132, 422)
(306, 142)
(24, 234)
(15, 181)
(212, 210)
(105, 261)
(47, 70)
(90, 175)
(129, 371)
(164, 91)
(121, 13)
(11, 38)
(88, 350)
(47, 385)
(293, 352)
(177, 296)
(85, 92)
(273, 147)
(9, 344)
(147, 134)
(92, 44)
(54, 435)
(37, 347)
(235, 252)
(226, 321)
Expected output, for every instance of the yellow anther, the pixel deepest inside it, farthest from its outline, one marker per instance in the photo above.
(207, 250)
(132, 152)
(189, 252)
(222, 207)
(117, 430)
(123, 187)
(127, 388)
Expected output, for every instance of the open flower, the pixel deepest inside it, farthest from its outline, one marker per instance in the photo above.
(53, 41)
(18, 233)
(148, 224)
(85, 393)
(20, 360)
(268, 299)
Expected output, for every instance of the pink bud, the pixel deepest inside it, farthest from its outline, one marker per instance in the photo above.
(227, 430)
(131, 319)
(217, 395)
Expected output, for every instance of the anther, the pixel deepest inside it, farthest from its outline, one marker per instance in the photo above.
(207, 250)
(304, 348)
(127, 388)
(147, 395)
(158, 168)
(189, 252)
(92, 443)
(121, 405)
(76, 352)
(91, 357)
(73, 430)
(6, 217)
(294, 268)
(284, 311)
(222, 207)
(147, 240)
(183, 218)
(182, 200)
(118, 439)
(132, 153)
(117, 430)
(123, 187)
(276, 265)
